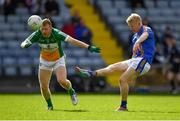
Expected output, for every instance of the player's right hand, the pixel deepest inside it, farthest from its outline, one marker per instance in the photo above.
(25, 44)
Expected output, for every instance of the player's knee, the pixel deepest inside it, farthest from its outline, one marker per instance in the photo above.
(110, 68)
(60, 78)
(122, 80)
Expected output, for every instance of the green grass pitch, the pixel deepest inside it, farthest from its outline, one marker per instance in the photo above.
(91, 106)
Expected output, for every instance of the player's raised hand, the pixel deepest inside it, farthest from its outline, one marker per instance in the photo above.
(94, 49)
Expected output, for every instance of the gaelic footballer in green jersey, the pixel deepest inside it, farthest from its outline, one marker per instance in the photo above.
(52, 58)
(51, 49)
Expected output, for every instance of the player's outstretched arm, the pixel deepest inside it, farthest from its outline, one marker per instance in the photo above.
(26, 43)
(30, 40)
(83, 45)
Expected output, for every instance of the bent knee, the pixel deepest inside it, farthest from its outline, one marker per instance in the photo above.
(111, 68)
(122, 80)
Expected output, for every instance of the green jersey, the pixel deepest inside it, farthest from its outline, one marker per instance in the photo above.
(51, 46)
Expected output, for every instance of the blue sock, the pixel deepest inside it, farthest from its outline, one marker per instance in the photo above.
(123, 104)
(92, 73)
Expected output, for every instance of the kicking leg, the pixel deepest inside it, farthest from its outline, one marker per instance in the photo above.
(116, 67)
(44, 79)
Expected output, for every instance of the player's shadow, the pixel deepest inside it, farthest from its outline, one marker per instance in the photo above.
(145, 111)
(71, 110)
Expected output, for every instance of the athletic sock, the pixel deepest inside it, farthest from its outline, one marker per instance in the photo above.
(123, 104)
(92, 73)
(71, 91)
(49, 102)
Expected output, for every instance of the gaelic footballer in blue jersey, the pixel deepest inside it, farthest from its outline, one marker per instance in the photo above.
(139, 64)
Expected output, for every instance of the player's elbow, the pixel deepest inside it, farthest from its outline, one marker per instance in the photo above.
(145, 34)
(70, 39)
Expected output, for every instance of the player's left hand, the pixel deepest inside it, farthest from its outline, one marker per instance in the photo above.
(95, 49)
(137, 47)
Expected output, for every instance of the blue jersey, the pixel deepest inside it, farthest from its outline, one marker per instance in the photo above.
(148, 46)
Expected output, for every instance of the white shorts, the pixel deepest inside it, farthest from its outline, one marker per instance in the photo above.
(139, 64)
(51, 65)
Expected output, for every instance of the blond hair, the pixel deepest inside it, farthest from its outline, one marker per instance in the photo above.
(134, 17)
(46, 21)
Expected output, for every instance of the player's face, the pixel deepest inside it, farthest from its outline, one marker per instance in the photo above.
(46, 30)
(134, 26)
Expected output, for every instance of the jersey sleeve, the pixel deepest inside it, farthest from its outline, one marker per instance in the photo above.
(150, 33)
(60, 36)
(33, 37)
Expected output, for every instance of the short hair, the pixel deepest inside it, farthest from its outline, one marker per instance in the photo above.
(46, 21)
(134, 17)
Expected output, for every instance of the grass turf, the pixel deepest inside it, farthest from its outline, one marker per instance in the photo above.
(95, 107)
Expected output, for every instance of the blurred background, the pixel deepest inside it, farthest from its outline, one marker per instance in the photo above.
(97, 22)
